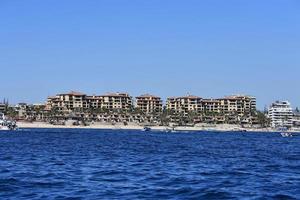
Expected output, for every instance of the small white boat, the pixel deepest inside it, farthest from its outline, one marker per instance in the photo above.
(285, 134)
(6, 125)
(4, 128)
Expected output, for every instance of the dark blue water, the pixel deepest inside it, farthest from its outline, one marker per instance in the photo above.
(99, 164)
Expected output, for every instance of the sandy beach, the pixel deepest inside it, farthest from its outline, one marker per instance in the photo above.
(220, 128)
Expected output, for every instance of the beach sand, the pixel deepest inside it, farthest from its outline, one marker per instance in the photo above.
(219, 128)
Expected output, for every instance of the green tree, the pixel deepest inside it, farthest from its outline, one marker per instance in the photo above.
(262, 119)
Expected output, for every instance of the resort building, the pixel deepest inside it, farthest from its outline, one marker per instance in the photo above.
(117, 101)
(67, 101)
(94, 101)
(77, 101)
(296, 118)
(73, 100)
(211, 106)
(281, 114)
(149, 103)
(240, 104)
(185, 104)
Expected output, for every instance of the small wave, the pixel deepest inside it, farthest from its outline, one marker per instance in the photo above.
(283, 197)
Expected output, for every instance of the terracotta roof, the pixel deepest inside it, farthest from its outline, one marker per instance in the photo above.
(74, 93)
(186, 97)
(53, 97)
(147, 96)
(238, 96)
(210, 100)
(93, 97)
(117, 94)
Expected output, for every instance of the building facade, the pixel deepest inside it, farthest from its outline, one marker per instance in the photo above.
(240, 104)
(281, 114)
(185, 104)
(67, 101)
(117, 101)
(211, 106)
(78, 101)
(237, 104)
(149, 103)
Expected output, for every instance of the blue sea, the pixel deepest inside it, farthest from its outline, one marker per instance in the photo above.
(110, 164)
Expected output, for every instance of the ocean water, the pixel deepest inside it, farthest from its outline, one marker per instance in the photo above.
(106, 164)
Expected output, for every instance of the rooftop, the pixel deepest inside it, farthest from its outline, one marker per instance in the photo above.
(73, 93)
(147, 96)
(116, 94)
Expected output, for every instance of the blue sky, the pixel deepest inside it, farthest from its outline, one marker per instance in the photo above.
(209, 48)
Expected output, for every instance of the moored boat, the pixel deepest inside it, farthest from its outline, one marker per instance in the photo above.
(146, 129)
(286, 134)
(7, 125)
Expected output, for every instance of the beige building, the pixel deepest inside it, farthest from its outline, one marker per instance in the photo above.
(67, 101)
(94, 101)
(117, 101)
(240, 104)
(149, 103)
(76, 100)
(53, 101)
(211, 106)
(185, 104)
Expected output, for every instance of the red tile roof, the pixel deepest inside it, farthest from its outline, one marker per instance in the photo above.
(74, 93)
(147, 96)
(117, 94)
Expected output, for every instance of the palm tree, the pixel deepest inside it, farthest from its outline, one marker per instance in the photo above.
(11, 112)
(262, 119)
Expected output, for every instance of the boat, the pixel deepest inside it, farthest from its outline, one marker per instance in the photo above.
(286, 134)
(7, 125)
(146, 129)
(170, 130)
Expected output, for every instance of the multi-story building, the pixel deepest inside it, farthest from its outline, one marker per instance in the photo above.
(94, 101)
(281, 114)
(117, 101)
(149, 103)
(185, 104)
(296, 118)
(67, 101)
(211, 105)
(76, 100)
(53, 102)
(73, 100)
(239, 104)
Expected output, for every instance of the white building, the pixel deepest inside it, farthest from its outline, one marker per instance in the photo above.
(281, 114)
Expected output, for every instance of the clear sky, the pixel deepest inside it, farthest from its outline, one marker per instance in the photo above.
(209, 48)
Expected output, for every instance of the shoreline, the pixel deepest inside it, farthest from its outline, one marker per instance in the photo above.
(217, 128)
